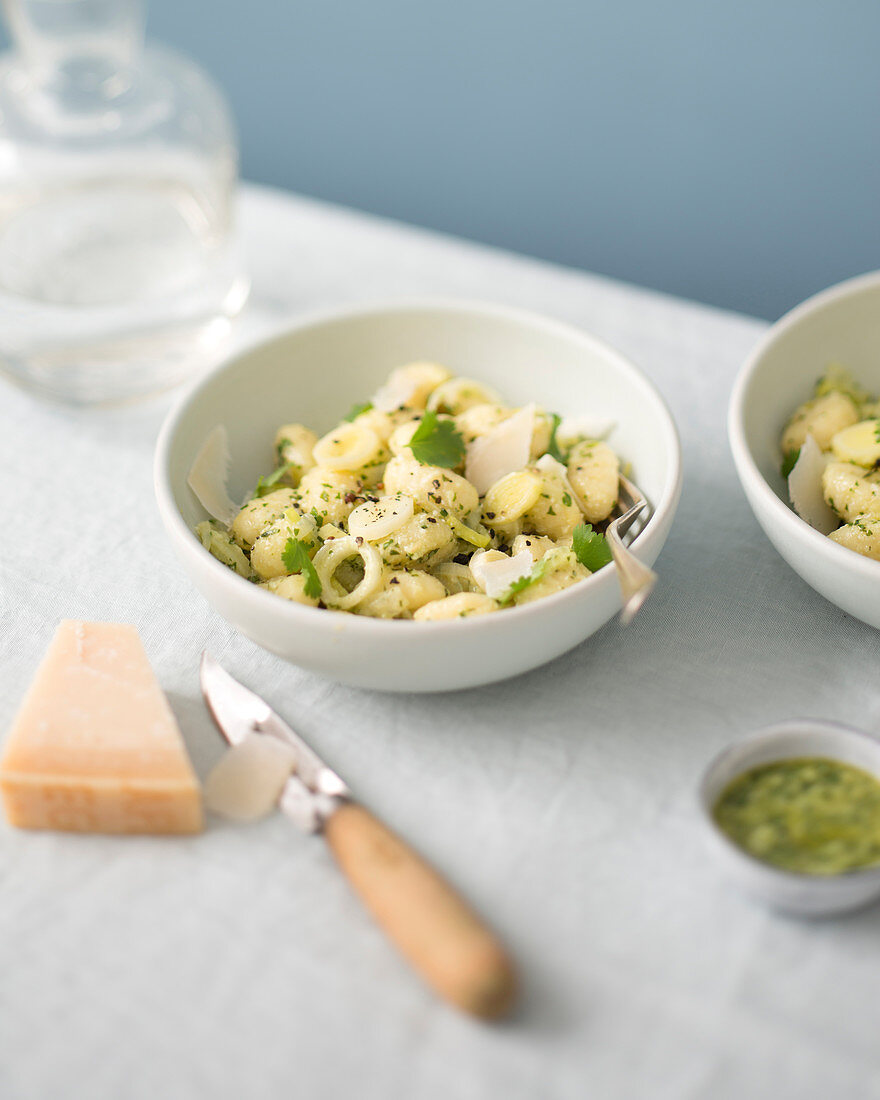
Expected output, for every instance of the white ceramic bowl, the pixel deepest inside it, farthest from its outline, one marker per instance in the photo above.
(313, 374)
(806, 895)
(840, 325)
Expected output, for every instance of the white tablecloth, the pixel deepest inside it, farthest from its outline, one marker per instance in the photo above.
(238, 965)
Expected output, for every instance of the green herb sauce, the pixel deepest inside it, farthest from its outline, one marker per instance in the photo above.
(808, 814)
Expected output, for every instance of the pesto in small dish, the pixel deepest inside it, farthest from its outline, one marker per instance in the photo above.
(811, 815)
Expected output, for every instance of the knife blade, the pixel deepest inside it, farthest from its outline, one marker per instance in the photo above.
(430, 924)
(238, 711)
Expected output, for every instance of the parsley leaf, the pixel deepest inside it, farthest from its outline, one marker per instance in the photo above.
(522, 583)
(267, 484)
(356, 410)
(297, 560)
(590, 547)
(553, 447)
(788, 461)
(437, 442)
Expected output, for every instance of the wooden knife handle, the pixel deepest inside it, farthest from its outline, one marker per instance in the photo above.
(433, 928)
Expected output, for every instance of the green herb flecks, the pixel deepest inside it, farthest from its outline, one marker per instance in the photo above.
(437, 442)
(810, 815)
(838, 378)
(590, 547)
(296, 560)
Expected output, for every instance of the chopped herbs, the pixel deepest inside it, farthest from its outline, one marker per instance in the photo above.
(522, 583)
(437, 442)
(788, 461)
(590, 547)
(307, 504)
(553, 447)
(267, 484)
(357, 410)
(296, 560)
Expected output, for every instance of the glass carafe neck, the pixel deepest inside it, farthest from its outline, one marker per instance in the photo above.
(81, 44)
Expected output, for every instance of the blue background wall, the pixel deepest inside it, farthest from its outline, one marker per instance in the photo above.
(729, 152)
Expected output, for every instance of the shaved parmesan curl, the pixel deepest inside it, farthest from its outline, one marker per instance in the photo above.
(805, 488)
(500, 451)
(208, 476)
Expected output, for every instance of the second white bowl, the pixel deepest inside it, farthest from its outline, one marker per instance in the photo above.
(313, 374)
(839, 325)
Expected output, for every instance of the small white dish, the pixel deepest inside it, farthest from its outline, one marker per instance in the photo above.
(791, 892)
(313, 374)
(840, 325)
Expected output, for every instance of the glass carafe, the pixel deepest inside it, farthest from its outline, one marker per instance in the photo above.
(119, 273)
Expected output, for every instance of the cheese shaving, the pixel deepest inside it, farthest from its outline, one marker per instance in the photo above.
(208, 477)
(805, 488)
(397, 391)
(547, 464)
(247, 781)
(504, 449)
(496, 574)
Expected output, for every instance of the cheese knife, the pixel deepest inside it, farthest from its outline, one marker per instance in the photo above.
(429, 923)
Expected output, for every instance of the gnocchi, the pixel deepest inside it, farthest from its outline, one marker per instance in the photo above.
(382, 515)
(843, 457)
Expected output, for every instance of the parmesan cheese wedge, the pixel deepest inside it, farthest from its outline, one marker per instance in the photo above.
(95, 747)
(501, 451)
(209, 474)
(495, 574)
(805, 488)
(246, 782)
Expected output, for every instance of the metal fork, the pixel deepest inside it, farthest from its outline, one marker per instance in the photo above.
(636, 579)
